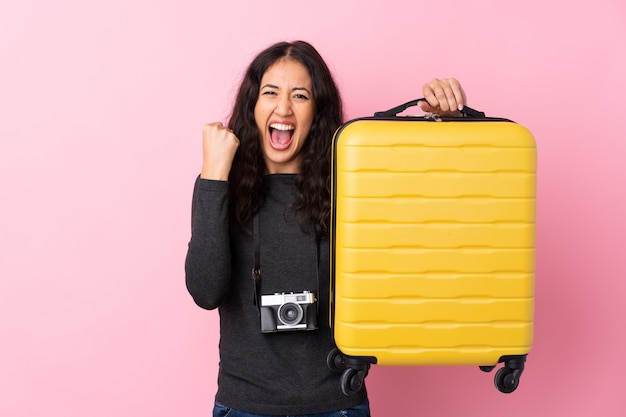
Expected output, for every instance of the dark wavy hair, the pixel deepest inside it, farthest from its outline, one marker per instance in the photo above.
(313, 182)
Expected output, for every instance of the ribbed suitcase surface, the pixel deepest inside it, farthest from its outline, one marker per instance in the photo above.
(433, 233)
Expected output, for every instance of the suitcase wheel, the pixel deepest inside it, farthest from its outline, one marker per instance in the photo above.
(351, 381)
(507, 378)
(335, 362)
(353, 370)
(353, 377)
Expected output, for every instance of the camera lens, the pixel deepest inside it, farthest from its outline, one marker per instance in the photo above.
(290, 314)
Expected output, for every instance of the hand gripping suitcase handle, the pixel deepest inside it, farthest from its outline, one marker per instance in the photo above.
(467, 111)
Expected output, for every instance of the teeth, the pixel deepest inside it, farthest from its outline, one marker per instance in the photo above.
(280, 126)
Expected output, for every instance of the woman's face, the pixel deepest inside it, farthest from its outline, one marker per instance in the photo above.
(284, 113)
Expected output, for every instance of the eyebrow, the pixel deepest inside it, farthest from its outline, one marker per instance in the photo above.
(293, 89)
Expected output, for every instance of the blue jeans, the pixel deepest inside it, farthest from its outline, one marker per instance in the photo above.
(361, 410)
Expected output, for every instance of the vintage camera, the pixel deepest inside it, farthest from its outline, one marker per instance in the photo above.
(288, 311)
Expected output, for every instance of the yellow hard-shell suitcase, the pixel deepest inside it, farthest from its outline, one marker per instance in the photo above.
(432, 244)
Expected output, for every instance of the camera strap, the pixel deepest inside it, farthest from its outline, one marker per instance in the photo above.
(256, 269)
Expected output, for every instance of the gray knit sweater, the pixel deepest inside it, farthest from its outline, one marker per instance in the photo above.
(282, 373)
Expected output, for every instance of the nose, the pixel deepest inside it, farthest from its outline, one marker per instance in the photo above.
(283, 107)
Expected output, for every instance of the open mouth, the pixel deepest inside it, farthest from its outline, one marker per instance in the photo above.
(281, 135)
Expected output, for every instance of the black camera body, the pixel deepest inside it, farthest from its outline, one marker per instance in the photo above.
(288, 311)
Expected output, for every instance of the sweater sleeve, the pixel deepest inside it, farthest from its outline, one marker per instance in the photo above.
(208, 261)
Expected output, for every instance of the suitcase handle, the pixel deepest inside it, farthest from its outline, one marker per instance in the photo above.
(467, 111)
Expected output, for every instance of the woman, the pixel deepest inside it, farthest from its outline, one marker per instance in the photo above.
(261, 203)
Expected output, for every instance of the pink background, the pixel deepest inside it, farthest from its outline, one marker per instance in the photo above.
(101, 109)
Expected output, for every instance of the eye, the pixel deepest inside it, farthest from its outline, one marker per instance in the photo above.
(268, 93)
(300, 97)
